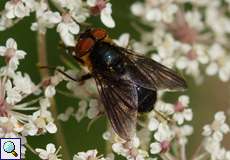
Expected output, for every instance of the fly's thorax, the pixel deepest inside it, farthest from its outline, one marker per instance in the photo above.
(107, 57)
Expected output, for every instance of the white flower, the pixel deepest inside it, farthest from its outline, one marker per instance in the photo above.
(45, 17)
(43, 121)
(22, 83)
(182, 133)
(153, 124)
(10, 127)
(123, 40)
(214, 149)
(13, 95)
(218, 127)
(50, 91)
(11, 53)
(104, 9)
(50, 153)
(83, 91)
(106, 17)
(67, 28)
(16, 8)
(192, 60)
(66, 115)
(165, 108)
(137, 8)
(80, 114)
(5, 22)
(52, 82)
(94, 109)
(90, 154)
(166, 47)
(219, 64)
(153, 15)
(163, 138)
(182, 112)
(154, 12)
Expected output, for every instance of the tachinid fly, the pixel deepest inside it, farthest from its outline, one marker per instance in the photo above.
(127, 83)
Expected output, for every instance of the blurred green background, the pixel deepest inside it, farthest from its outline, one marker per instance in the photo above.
(206, 99)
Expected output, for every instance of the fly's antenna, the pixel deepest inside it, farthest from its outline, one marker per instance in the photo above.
(58, 70)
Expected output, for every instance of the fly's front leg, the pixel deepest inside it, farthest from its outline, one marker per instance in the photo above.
(83, 78)
(80, 80)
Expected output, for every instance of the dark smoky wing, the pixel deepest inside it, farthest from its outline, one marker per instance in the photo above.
(160, 76)
(120, 101)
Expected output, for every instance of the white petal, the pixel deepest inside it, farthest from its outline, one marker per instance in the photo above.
(11, 43)
(51, 127)
(33, 130)
(163, 133)
(55, 17)
(44, 155)
(50, 91)
(184, 100)
(188, 115)
(218, 136)
(39, 150)
(91, 3)
(212, 69)
(220, 117)
(92, 112)
(179, 118)
(207, 130)
(106, 17)
(224, 74)
(154, 15)
(224, 128)
(182, 63)
(155, 148)
(153, 124)
(68, 39)
(137, 8)
(13, 63)
(2, 50)
(74, 28)
(50, 148)
(10, 14)
(20, 10)
(20, 54)
(123, 40)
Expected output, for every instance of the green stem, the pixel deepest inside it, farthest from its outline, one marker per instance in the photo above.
(42, 57)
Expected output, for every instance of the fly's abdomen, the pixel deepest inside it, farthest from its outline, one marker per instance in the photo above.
(146, 99)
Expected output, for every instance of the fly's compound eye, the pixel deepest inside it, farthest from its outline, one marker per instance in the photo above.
(99, 33)
(84, 46)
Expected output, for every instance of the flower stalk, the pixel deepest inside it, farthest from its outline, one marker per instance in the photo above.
(42, 59)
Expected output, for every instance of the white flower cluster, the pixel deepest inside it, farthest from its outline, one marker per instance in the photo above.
(187, 35)
(214, 136)
(50, 153)
(15, 87)
(70, 15)
(165, 135)
(90, 154)
(89, 104)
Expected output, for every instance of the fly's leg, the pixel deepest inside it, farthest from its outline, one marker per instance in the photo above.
(81, 79)
(84, 77)
(164, 117)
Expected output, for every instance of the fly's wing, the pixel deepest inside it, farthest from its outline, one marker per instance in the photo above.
(157, 74)
(120, 101)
